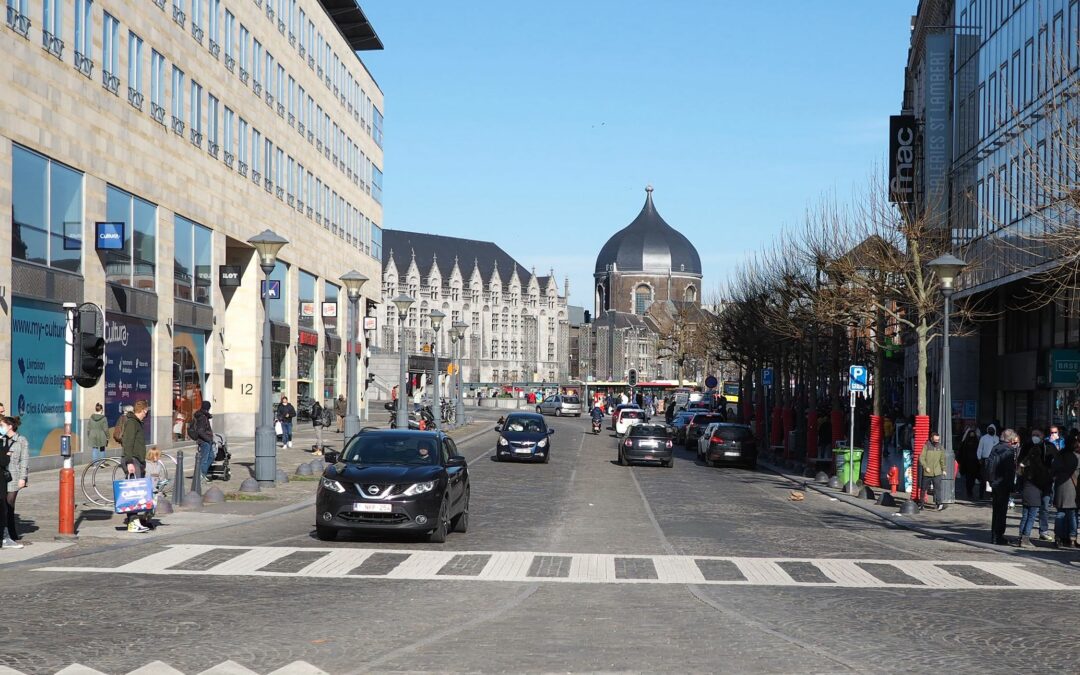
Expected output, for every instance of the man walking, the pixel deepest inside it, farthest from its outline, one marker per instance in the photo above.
(285, 414)
(339, 409)
(932, 463)
(133, 459)
(987, 443)
(203, 434)
(1000, 473)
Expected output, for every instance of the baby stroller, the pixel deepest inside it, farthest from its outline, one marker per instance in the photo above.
(219, 468)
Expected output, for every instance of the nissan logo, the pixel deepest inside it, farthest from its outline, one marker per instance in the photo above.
(373, 489)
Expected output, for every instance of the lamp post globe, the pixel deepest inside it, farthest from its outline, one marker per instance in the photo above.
(353, 282)
(459, 410)
(436, 318)
(403, 302)
(946, 267)
(267, 244)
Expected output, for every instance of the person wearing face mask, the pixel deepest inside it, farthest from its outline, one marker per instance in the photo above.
(1000, 470)
(1066, 469)
(932, 463)
(1035, 470)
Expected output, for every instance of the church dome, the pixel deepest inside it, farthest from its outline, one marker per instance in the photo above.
(649, 244)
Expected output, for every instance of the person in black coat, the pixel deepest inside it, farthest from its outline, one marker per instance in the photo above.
(5, 461)
(1001, 474)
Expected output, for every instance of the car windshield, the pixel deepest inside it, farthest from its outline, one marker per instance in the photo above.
(392, 448)
(648, 430)
(706, 419)
(732, 433)
(528, 425)
(632, 415)
(571, 399)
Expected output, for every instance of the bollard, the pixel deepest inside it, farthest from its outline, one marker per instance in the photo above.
(178, 491)
(196, 477)
(214, 496)
(67, 502)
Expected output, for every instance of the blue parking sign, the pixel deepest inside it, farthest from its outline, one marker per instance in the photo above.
(857, 378)
(766, 377)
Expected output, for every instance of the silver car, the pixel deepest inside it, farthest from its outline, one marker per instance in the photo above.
(559, 405)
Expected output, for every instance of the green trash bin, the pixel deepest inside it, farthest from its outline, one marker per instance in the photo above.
(840, 455)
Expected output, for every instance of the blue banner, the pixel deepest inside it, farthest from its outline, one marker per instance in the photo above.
(37, 375)
(129, 349)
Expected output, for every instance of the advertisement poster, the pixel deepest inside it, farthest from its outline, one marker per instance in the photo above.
(129, 348)
(37, 375)
(189, 373)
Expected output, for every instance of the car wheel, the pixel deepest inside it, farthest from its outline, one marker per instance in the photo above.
(460, 523)
(547, 457)
(670, 463)
(539, 411)
(438, 535)
(622, 459)
(558, 412)
(325, 533)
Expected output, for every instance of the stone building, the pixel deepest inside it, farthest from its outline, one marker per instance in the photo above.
(518, 328)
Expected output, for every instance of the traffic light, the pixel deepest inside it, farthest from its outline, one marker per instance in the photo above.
(89, 348)
(631, 377)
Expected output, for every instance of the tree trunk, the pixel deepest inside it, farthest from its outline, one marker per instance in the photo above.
(921, 335)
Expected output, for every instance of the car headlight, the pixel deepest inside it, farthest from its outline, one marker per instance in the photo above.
(419, 488)
(502, 441)
(542, 443)
(331, 484)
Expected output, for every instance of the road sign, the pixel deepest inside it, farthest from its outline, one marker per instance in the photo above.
(710, 382)
(766, 377)
(857, 379)
(273, 291)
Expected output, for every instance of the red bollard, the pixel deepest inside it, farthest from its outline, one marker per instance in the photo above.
(873, 460)
(67, 502)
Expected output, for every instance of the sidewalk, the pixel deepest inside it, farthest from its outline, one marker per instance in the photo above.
(963, 522)
(37, 504)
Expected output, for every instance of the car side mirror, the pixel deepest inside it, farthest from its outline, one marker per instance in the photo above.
(550, 431)
(455, 461)
(498, 427)
(331, 456)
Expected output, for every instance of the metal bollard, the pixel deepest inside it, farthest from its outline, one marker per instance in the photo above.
(196, 476)
(178, 491)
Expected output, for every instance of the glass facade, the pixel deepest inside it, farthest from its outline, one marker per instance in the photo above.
(46, 209)
(192, 260)
(330, 383)
(188, 376)
(135, 265)
(330, 295)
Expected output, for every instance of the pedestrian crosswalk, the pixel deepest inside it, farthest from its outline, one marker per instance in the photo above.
(581, 568)
(160, 668)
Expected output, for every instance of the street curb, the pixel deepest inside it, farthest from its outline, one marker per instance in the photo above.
(807, 483)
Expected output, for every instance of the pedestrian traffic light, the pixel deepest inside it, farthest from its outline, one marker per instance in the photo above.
(89, 347)
(631, 377)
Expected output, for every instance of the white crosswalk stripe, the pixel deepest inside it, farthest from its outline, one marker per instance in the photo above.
(584, 568)
(160, 668)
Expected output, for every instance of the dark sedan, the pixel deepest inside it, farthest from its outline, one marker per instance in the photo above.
(400, 480)
(678, 425)
(524, 436)
(646, 443)
(696, 424)
(733, 443)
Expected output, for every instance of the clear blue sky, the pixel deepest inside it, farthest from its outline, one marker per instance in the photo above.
(537, 125)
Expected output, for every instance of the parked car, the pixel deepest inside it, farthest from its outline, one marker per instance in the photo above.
(560, 405)
(628, 418)
(678, 426)
(524, 436)
(696, 424)
(646, 443)
(399, 480)
(722, 442)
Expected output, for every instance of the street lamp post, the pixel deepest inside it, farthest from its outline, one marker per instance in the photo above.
(403, 303)
(459, 412)
(436, 407)
(353, 281)
(455, 335)
(946, 267)
(267, 244)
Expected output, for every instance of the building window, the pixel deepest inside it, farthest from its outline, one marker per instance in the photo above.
(277, 305)
(642, 299)
(212, 106)
(46, 211)
(110, 45)
(305, 300)
(213, 19)
(196, 113)
(135, 265)
(242, 140)
(376, 183)
(157, 79)
(228, 46)
(245, 47)
(192, 261)
(52, 22)
(691, 294)
(84, 22)
(178, 94)
(227, 134)
(330, 295)
(135, 82)
(376, 126)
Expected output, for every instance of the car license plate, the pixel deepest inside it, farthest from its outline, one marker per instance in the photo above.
(373, 508)
(649, 457)
(731, 453)
(523, 451)
(648, 444)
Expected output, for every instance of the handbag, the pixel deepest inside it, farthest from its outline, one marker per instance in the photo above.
(133, 495)
(277, 427)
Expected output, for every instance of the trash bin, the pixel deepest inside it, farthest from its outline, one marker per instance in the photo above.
(842, 464)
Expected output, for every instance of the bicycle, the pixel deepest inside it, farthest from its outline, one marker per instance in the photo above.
(114, 470)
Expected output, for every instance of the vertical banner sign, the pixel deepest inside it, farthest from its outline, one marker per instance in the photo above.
(936, 76)
(902, 159)
(37, 374)
(129, 348)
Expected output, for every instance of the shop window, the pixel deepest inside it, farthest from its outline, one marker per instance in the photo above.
(46, 209)
(189, 377)
(135, 265)
(330, 296)
(278, 352)
(330, 383)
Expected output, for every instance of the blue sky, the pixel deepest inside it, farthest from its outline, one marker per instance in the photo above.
(537, 125)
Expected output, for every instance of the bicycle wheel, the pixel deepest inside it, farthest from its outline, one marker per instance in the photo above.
(86, 483)
(104, 469)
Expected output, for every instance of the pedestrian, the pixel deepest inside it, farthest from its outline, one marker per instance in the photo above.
(1053, 436)
(317, 412)
(1066, 470)
(340, 409)
(285, 414)
(1046, 453)
(5, 478)
(18, 449)
(932, 465)
(1000, 472)
(202, 432)
(987, 443)
(133, 458)
(1038, 481)
(969, 461)
(97, 433)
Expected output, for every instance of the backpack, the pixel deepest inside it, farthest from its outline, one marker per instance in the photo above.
(193, 430)
(118, 430)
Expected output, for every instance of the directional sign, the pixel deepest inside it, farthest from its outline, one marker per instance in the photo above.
(766, 377)
(274, 292)
(857, 379)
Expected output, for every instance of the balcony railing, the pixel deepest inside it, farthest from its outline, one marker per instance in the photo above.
(229, 159)
(157, 113)
(242, 167)
(269, 12)
(300, 205)
(135, 99)
(230, 62)
(318, 71)
(52, 44)
(83, 64)
(177, 125)
(243, 75)
(256, 177)
(281, 26)
(292, 120)
(292, 42)
(279, 193)
(212, 149)
(303, 51)
(291, 201)
(280, 110)
(196, 137)
(309, 211)
(215, 49)
(311, 61)
(160, 4)
(300, 128)
(178, 16)
(110, 82)
(197, 32)
(20, 23)
(268, 185)
(269, 99)
(311, 137)
(256, 87)
(318, 145)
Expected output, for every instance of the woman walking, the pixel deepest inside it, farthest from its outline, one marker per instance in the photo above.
(5, 479)
(97, 433)
(18, 467)
(1037, 484)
